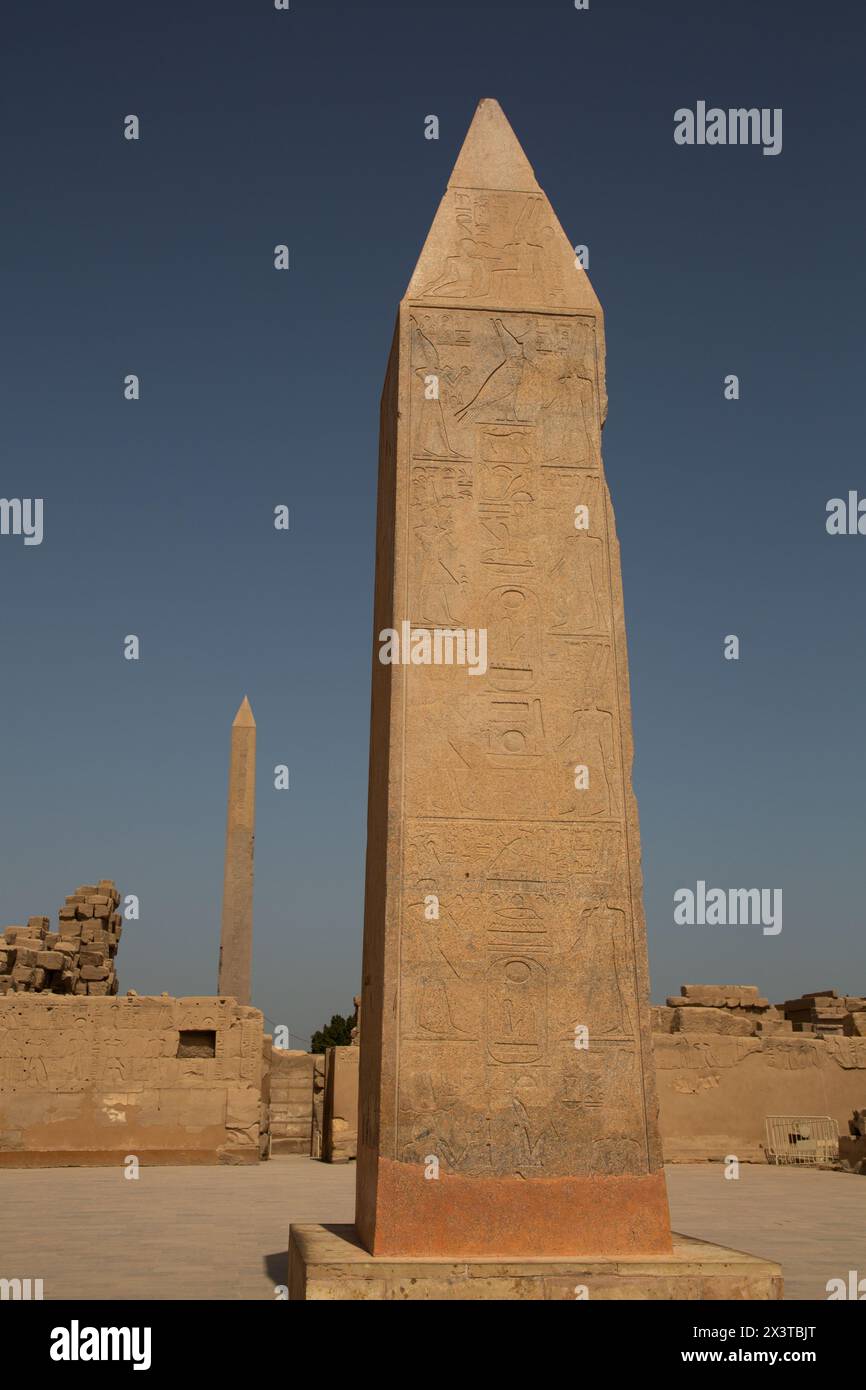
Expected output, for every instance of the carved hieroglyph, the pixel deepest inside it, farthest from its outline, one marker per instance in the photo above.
(236, 938)
(507, 1092)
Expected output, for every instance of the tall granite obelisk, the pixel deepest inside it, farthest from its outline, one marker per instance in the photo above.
(236, 939)
(508, 1130)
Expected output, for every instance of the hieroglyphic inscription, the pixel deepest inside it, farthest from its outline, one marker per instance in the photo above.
(72, 1045)
(515, 779)
(531, 940)
(503, 250)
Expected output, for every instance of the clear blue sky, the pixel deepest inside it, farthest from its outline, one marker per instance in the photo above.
(258, 388)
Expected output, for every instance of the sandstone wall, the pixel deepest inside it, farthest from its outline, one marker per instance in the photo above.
(91, 1080)
(726, 1059)
(318, 1105)
(292, 1076)
(715, 1089)
(340, 1110)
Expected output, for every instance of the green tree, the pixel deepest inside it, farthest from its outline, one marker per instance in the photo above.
(337, 1033)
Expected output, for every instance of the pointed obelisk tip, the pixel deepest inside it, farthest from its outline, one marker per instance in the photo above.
(492, 156)
(244, 716)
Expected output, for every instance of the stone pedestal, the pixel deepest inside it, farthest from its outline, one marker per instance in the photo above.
(328, 1263)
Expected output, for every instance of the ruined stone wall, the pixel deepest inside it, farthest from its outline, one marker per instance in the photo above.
(318, 1106)
(340, 1109)
(827, 1013)
(90, 1081)
(740, 1010)
(265, 1098)
(726, 1059)
(291, 1101)
(78, 958)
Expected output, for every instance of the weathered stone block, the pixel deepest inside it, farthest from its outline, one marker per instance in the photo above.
(242, 1107)
(661, 1018)
(94, 972)
(722, 996)
(51, 960)
(704, 1020)
(26, 942)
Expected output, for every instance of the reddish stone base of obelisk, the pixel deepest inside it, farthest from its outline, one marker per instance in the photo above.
(329, 1263)
(513, 1238)
(460, 1217)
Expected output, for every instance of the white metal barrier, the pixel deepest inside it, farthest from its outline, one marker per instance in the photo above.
(805, 1140)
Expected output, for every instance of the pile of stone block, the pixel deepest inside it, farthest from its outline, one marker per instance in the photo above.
(827, 1014)
(741, 1010)
(78, 958)
(733, 1009)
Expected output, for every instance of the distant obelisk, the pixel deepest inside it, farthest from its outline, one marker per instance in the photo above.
(236, 940)
(508, 1142)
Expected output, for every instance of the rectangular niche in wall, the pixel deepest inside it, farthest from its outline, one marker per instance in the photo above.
(196, 1043)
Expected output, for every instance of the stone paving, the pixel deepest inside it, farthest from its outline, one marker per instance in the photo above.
(221, 1233)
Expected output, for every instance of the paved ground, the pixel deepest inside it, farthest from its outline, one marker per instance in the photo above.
(813, 1223)
(222, 1232)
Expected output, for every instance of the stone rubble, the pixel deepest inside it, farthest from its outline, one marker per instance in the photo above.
(740, 1010)
(78, 958)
